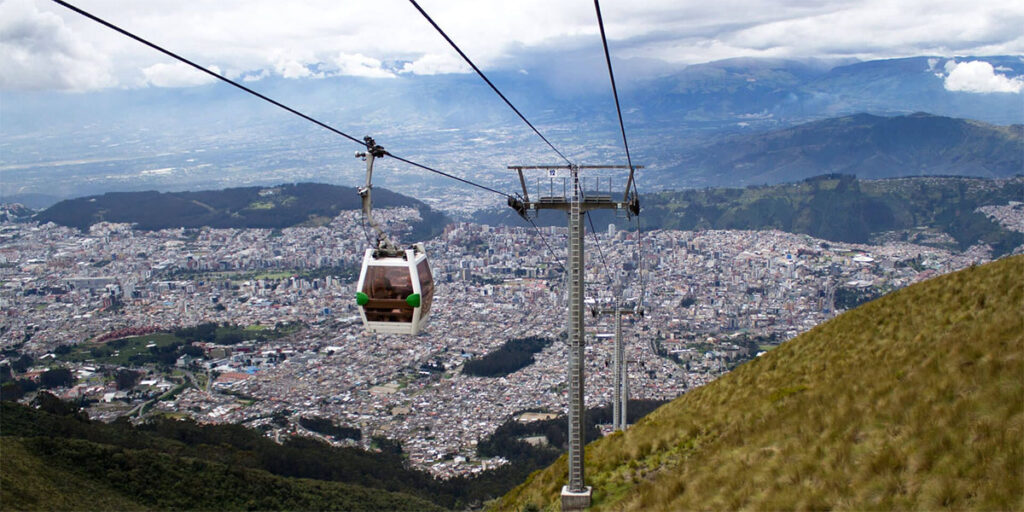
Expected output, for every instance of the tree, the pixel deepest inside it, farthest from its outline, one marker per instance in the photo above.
(22, 363)
(514, 354)
(58, 377)
(192, 350)
(11, 391)
(126, 379)
(49, 403)
(387, 445)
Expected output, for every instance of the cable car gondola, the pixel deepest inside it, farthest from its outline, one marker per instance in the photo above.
(395, 292)
(395, 287)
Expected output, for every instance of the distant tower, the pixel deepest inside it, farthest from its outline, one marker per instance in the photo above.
(620, 378)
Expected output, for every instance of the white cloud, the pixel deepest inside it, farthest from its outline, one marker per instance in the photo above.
(289, 68)
(255, 77)
(37, 51)
(980, 77)
(294, 64)
(874, 29)
(317, 38)
(437, 64)
(360, 65)
(177, 74)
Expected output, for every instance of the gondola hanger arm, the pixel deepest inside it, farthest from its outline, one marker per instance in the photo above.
(373, 151)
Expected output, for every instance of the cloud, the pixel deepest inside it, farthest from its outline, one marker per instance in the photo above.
(875, 29)
(436, 64)
(177, 74)
(37, 50)
(294, 64)
(321, 38)
(255, 77)
(360, 65)
(979, 77)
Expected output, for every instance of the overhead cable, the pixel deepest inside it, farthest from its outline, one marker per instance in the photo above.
(482, 75)
(640, 262)
(546, 244)
(446, 175)
(615, 92)
(597, 242)
(218, 76)
(625, 143)
(222, 78)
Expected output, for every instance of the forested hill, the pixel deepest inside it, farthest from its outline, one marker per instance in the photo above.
(832, 207)
(911, 402)
(247, 207)
(54, 458)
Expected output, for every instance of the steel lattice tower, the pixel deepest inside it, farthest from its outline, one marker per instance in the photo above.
(575, 495)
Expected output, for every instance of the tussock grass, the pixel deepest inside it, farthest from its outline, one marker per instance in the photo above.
(913, 401)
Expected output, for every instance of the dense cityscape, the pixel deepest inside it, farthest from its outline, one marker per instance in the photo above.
(713, 298)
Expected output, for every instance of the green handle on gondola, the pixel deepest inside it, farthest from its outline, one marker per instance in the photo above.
(413, 300)
(362, 298)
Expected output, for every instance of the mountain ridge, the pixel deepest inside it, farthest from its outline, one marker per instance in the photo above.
(275, 207)
(867, 145)
(211, 136)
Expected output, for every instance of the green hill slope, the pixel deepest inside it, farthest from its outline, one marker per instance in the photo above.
(913, 401)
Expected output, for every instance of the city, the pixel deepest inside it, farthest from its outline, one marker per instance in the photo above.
(712, 299)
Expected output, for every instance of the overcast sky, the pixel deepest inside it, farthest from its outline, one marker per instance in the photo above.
(45, 46)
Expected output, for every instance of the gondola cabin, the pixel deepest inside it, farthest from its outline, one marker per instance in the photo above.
(395, 291)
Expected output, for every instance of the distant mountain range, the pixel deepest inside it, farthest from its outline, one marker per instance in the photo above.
(215, 137)
(281, 206)
(764, 91)
(864, 145)
(910, 402)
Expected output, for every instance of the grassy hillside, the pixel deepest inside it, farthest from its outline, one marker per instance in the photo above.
(913, 401)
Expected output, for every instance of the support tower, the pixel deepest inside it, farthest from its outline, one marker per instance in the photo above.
(573, 200)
